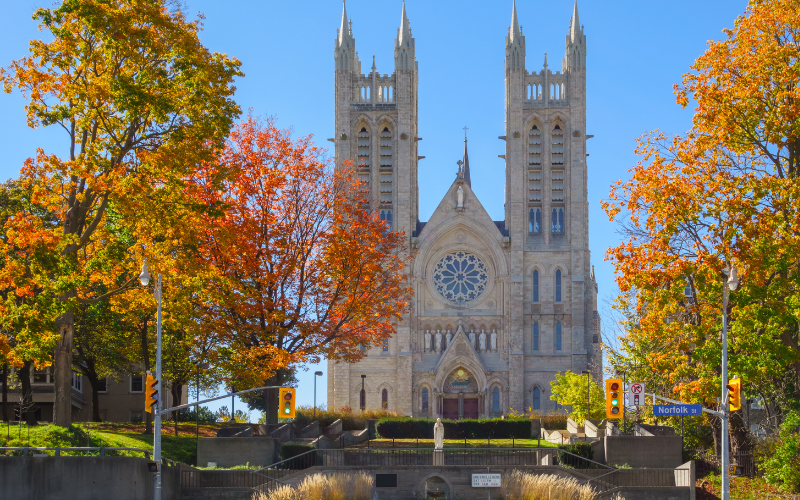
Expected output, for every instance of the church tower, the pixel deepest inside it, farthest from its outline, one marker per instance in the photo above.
(547, 213)
(376, 123)
(376, 129)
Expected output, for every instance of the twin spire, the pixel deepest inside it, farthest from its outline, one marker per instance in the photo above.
(404, 34)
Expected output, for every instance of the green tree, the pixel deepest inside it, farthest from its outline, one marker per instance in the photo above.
(570, 389)
(782, 467)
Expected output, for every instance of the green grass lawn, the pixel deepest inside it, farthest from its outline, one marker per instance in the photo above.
(181, 448)
(458, 443)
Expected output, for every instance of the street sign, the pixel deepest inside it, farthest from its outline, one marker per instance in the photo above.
(677, 410)
(486, 480)
(636, 394)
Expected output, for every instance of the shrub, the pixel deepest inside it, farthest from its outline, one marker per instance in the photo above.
(495, 428)
(521, 486)
(781, 467)
(351, 420)
(206, 416)
(356, 486)
(289, 450)
(581, 449)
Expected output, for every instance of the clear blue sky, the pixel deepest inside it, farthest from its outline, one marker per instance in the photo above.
(636, 52)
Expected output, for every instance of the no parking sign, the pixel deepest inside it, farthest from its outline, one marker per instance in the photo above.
(636, 394)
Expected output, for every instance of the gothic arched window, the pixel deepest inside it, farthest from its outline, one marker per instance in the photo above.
(535, 335)
(558, 285)
(535, 220)
(363, 148)
(536, 398)
(385, 345)
(385, 399)
(424, 400)
(557, 222)
(363, 400)
(386, 215)
(386, 166)
(535, 286)
(496, 400)
(558, 336)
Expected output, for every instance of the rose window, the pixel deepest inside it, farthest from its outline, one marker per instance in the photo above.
(460, 277)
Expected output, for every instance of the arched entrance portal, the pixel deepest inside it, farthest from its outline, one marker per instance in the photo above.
(461, 398)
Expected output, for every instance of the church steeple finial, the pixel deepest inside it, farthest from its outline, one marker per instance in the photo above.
(345, 32)
(515, 32)
(575, 26)
(405, 31)
(465, 168)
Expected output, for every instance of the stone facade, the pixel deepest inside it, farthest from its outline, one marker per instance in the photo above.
(499, 306)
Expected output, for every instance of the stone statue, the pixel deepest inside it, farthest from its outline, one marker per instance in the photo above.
(449, 338)
(427, 340)
(472, 338)
(460, 197)
(482, 340)
(438, 340)
(494, 340)
(438, 435)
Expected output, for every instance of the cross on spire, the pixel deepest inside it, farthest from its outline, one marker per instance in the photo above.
(465, 132)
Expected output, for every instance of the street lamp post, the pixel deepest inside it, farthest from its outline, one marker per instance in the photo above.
(316, 374)
(363, 399)
(732, 282)
(144, 279)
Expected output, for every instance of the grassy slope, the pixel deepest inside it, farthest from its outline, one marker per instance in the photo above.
(181, 448)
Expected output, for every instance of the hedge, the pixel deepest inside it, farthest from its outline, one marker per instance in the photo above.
(495, 428)
(579, 448)
(289, 450)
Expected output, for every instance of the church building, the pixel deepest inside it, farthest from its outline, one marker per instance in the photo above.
(499, 307)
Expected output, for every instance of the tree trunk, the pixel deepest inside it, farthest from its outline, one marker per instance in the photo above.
(62, 367)
(177, 394)
(93, 383)
(272, 395)
(148, 417)
(740, 436)
(5, 392)
(26, 394)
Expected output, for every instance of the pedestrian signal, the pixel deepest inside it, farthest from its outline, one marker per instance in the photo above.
(287, 401)
(735, 394)
(614, 407)
(151, 393)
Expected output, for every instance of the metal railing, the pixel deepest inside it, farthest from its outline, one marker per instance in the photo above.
(241, 479)
(605, 481)
(742, 464)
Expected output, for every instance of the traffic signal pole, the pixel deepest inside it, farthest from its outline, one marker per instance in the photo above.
(726, 493)
(159, 405)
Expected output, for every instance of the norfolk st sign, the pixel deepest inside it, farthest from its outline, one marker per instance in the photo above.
(677, 410)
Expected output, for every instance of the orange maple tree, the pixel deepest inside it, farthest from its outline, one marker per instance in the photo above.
(727, 191)
(141, 101)
(299, 267)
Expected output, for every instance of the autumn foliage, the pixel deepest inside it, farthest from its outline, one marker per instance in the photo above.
(298, 265)
(727, 191)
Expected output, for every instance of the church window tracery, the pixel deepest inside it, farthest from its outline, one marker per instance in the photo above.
(535, 284)
(496, 400)
(385, 399)
(386, 216)
(535, 220)
(424, 400)
(558, 220)
(460, 277)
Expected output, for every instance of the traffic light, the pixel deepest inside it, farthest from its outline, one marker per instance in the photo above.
(151, 393)
(286, 404)
(614, 406)
(735, 394)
